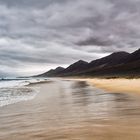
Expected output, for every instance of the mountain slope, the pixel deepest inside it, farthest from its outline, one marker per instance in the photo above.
(133, 56)
(117, 64)
(113, 59)
(75, 68)
(52, 72)
(124, 65)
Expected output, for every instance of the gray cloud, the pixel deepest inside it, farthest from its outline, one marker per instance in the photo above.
(36, 35)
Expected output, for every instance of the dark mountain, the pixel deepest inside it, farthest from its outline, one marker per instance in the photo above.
(75, 68)
(81, 67)
(52, 72)
(113, 59)
(133, 56)
(117, 64)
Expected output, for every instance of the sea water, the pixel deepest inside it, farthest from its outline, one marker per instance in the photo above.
(14, 90)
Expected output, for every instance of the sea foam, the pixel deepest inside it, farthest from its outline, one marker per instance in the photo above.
(16, 90)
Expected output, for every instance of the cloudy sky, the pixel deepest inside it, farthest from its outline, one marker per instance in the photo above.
(36, 35)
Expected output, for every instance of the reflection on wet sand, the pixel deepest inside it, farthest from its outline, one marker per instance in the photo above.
(111, 104)
(72, 110)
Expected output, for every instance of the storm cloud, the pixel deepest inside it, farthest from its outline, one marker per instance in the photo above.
(36, 35)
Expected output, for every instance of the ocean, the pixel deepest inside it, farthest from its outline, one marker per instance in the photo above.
(14, 90)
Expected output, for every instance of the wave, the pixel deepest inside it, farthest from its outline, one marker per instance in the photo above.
(14, 95)
(16, 82)
(16, 90)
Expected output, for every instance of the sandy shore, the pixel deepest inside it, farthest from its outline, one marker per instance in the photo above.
(117, 85)
(69, 110)
(114, 85)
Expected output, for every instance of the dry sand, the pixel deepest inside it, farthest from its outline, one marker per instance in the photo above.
(117, 85)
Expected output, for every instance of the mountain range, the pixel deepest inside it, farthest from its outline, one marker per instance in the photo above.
(118, 64)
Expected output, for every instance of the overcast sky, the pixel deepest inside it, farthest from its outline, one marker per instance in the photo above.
(36, 35)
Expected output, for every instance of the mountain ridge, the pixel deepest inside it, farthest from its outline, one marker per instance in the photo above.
(116, 64)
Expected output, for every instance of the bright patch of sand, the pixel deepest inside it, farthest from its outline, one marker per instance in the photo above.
(117, 85)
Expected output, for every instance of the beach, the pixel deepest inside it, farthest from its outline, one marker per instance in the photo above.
(117, 85)
(70, 70)
(72, 110)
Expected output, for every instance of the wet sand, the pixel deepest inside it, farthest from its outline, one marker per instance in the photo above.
(72, 110)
